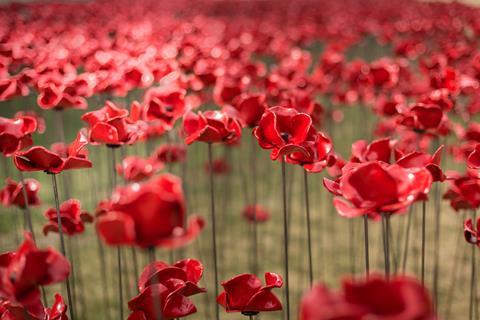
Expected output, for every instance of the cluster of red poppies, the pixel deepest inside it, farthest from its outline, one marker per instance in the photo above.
(220, 72)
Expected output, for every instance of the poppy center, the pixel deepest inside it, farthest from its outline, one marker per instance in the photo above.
(169, 108)
(285, 136)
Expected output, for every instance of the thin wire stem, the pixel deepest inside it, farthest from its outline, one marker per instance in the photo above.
(367, 251)
(214, 230)
(309, 236)
(424, 204)
(285, 240)
(62, 244)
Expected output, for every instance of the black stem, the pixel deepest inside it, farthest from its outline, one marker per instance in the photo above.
(119, 251)
(253, 161)
(62, 243)
(285, 240)
(367, 252)
(309, 236)
(386, 244)
(26, 209)
(436, 254)
(455, 271)
(424, 204)
(407, 239)
(156, 304)
(473, 276)
(214, 231)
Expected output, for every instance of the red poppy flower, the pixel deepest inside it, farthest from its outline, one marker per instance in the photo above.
(376, 298)
(463, 192)
(16, 134)
(12, 193)
(472, 233)
(212, 126)
(255, 213)
(171, 153)
(166, 104)
(112, 126)
(169, 287)
(473, 160)
(245, 293)
(72, 216)
(41, 126)
(378, 150)
(12, 87)
(219, 167)
(284, 130)
(149, 214)
(418, 159)
(66, 158)
(248, 108)
(134, 169)
(425, 118)
(376, 187)
(23, 271)
(58, 311)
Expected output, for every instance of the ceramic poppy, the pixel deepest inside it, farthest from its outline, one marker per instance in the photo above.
(72, 216)
(69, 157)
(149, 214)
(12, 193)
(245, 293)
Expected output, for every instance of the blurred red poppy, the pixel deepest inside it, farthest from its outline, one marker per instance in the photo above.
(171, 153)
(255, 213)
(63, 158)
(212, 126)
(472, 233)
(245, 293)
(22, 273)
(248, 108)
(149, 215)
(12, 193)
(16, 134)
(166, 104)
(463, 191)
(134, 169)
(218, 166)
(167, 288)
(400, 298)
(58, 311)
(72, 216)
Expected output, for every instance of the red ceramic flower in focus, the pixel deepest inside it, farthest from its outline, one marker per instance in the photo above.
(167, 288)
(212, 126)
(148, 215)
(166, 104)
(400, 298)
(245, 293)
(171, 153)
(472, 233)
(113, 126)
(219, 167)
(58, 159)
(22, 273)
(12, 193)
(255, 213)
(72, 216)
(376, 187)
(134, 169)
(16, 134)
(283, 130)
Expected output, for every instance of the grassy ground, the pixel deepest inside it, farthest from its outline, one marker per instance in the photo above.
(337, 242)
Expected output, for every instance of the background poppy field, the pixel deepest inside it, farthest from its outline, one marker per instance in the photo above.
(337, 242)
